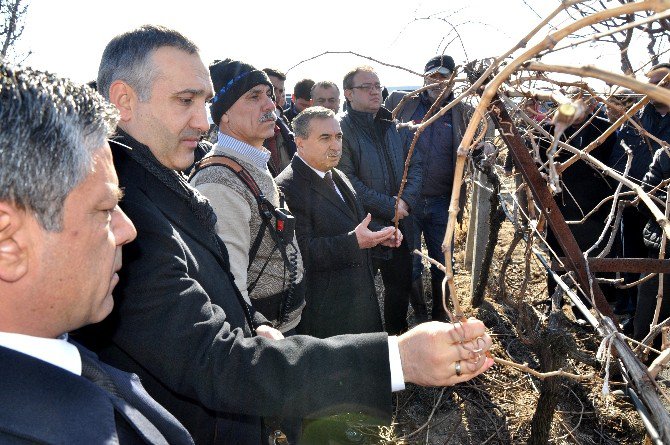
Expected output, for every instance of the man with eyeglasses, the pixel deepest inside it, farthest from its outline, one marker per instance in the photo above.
(373, 157)
(438, 146)
(326, 94)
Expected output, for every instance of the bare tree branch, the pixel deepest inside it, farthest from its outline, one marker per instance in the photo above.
(11, 28)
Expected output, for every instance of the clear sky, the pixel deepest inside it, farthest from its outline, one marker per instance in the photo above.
(68, 36)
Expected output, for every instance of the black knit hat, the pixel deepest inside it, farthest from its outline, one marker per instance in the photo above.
(231, 80)
(439, 64)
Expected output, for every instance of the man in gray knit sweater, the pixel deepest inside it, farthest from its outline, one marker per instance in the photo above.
(267, 267)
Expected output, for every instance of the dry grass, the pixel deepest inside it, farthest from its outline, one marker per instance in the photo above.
(497, 407)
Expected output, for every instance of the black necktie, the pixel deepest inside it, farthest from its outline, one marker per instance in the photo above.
(329, 179)
(93, 372)
(131, 424)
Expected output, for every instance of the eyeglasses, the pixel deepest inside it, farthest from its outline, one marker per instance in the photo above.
(369, 87)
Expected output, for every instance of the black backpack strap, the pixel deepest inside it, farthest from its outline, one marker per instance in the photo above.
(242, 174)
(265, 207)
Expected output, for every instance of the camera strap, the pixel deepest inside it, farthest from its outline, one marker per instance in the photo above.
(265, 207)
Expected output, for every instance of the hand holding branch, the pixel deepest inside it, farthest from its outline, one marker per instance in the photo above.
(442, 354)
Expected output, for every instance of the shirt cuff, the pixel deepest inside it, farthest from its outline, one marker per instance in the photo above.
(397, 376)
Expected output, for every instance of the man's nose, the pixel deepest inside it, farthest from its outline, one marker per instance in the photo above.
(269, 104)
(199, 120)
(123, 228)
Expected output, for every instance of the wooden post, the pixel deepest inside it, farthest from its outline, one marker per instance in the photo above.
(481, 226)
(472, 223)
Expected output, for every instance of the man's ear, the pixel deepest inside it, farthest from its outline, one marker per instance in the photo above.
(347, 94)
(299, 142)
(124, 98)
(13, 243)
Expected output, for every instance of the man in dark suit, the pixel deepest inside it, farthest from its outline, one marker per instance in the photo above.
(61, 233)
(180, 322)
(282, 144)
(332, 230)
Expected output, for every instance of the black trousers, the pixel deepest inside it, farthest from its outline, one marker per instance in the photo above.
(646, 304)
(632, 246)
(397, 277)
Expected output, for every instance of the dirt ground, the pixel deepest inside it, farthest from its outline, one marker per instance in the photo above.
(497, 408)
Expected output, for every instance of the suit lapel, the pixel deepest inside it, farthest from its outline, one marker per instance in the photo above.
(51, 405)
(346, 189)
(168, 202)
(319, 185)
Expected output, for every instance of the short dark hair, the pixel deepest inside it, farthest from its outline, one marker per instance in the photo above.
(348, 82)
(49, 130)
(303, 120)
(275, 73)
(325, 84)
(303, 89)
(127, 57)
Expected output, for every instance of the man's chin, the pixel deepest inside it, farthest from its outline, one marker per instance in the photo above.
(270, 132)
(186, 159)
(105, 308)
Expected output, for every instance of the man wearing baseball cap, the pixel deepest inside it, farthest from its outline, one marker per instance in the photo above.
(437, 146)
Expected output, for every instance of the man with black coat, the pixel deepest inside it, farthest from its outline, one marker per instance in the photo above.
(657, 123)
(582, 187)
(373, 158)
(282, 143)
(182, 325)
(332, 230)
(438, 148)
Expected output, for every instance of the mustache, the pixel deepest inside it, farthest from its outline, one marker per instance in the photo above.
(269, 116)
(191, 134)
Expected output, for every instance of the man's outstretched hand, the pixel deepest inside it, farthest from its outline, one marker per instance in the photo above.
(442, 354)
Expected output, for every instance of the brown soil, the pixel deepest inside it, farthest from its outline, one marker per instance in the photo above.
(497, 407)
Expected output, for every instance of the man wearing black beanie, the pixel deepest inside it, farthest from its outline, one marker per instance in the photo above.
(231, 80)
(179, 321)
(243, 107)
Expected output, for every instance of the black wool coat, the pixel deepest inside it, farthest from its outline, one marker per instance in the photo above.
(180, 325)
(373, 158)
(583, 187)
(340, 290)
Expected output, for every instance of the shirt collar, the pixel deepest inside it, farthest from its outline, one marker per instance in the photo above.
(318, 172)
(56, 351)
(257, 156)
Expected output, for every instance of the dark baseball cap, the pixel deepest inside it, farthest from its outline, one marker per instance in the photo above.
(439, 64)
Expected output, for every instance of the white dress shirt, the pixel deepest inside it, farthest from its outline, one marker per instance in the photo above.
(56, 351)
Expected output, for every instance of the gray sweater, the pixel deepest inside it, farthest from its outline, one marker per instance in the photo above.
(238, 224)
